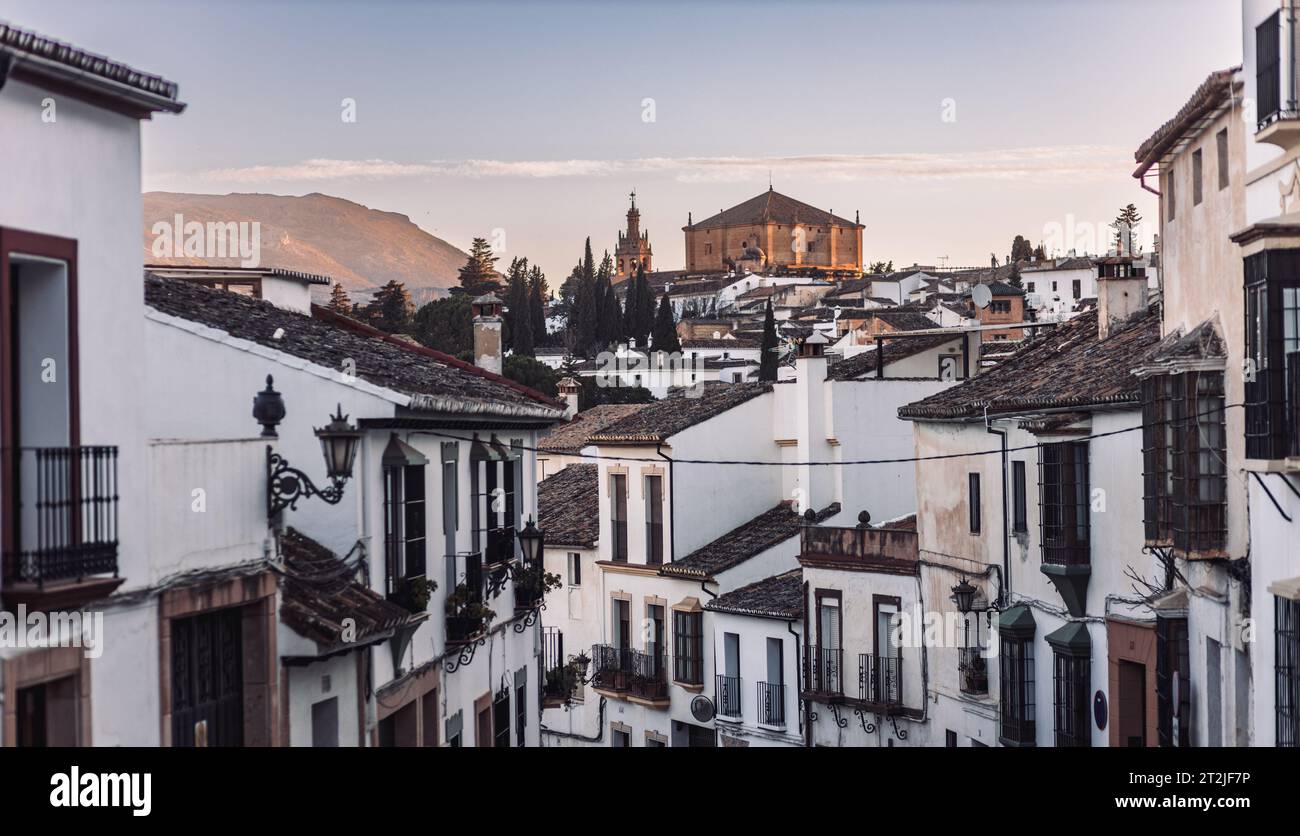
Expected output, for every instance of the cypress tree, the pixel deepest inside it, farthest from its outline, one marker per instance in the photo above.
(664, 337)
(768, 358)
(537, 304)
(645, 309)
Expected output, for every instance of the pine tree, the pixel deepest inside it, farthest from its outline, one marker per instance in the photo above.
(339, 302)
(537, 305)
(768, 359)
(1125, 222)
(391, 308)
(478, 276)
(664, 337)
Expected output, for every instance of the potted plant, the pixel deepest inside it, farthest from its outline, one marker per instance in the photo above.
(466, 614)
(531, 586)
(413, 593)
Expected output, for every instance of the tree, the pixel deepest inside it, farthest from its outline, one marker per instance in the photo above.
(645, 310)
(339, 302)
(1021, 249)
(390, 309)
(537, 304)
(664, 337)
(630, 299)
(479, 275)
(446, 325)
(1014, 278)
(993, 259)
(1039, 253)
(595, 395)
(611, 319)
(518, 316)
(1125, 222)
(879, 267)
(768, 356)
(585, 315)
(532, 373)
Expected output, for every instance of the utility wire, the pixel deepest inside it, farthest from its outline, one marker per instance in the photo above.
(853, 462)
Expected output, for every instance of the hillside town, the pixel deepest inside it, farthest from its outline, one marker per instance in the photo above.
(781, 495)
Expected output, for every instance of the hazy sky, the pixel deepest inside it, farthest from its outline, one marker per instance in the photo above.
(529, 118)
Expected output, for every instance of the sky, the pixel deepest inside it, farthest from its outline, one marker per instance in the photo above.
(949, 126)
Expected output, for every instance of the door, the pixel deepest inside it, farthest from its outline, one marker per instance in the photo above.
(207, 679)
(1132, 704)
(827, 664)
(656, 646)
(729, 685)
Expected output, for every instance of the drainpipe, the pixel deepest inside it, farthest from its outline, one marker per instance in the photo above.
(807, 709)
(798, 654)
(672, 506)
(1006, 535)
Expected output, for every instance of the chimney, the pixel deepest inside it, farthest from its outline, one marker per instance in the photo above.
(569, 390)
(817, 484)
(487, 333)
(1121, 292)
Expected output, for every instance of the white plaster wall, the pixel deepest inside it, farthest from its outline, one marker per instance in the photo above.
(306, 688)
(753, 634)
(125, 695)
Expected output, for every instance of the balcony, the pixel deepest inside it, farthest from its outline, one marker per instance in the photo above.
(631, 674)
(727, 697)
(823, 673)
(467, 614)
(888, 549)
(61, 549)
(771, 704)
(880, 680)
(972, 671)
(561, 680)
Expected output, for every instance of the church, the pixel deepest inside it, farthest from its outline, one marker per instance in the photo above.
(633, 248)
(773, 232)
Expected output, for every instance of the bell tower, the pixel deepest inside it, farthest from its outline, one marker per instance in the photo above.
(633, 248)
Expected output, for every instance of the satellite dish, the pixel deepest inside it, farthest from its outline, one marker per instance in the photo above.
(702, 708)
(981, 295)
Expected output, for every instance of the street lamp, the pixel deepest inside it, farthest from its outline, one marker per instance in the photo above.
(964, 595)
(530, 540)
(286, 485)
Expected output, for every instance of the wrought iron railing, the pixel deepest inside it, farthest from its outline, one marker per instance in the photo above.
(622, 669)
(972, 670)
(65, 514)
(771, 703)
(880, 680)
(727, 695)
(823, 671)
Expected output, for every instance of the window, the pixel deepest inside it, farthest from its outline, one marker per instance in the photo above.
(1197, 172)
(1063, 502)
(501, 719)
(450, 508)
(1272, 353)
(1017, 690)
(48, 714)
(1019, 523)
(620, 739)
(575, 569)
(1071, 685)
(1221, 144)
(618, 516)
(1183, 459)
(455, 724)
(688, 647)
(828, 662)
(404, 515)
(429, 718)
(1077, 289)
(973, 501)
(1168, 198)
(1173, 721)
(521, 705)
(654, 519)
(950, 738)
(1000, 306)
(1030, 285)
(656, 646)
(1268, 70)
(1286, 637)
(495, 472)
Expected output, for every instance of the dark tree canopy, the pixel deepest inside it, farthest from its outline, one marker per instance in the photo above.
(339, 302)
(479, 276)
(530, 372)
(446, 325)
(665, 337)
(768, 360)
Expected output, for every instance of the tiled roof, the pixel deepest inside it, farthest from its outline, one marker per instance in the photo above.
(435, 382)
(1068, 367)
(22, 44)
(1202, 343)
(736, 343)
(758, 292)
(320, 593)
(664, 418)
(904, 320)
(768, 529)
(780, 596)
(771, 207)
(568, 506)
(1204, 101)
(570, 437)
(1001, 288)
(865, 364)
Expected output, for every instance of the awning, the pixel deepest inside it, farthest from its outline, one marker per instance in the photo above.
(1071, 638)
(1017, 621)
(1288, 589)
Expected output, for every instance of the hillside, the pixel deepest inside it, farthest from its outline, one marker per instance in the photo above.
(360, 247)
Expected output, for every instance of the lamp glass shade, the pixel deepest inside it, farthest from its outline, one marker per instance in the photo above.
(530, 540)
(338, 443)
(964, 595)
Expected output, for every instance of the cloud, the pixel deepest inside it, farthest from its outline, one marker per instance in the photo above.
(1061, 162)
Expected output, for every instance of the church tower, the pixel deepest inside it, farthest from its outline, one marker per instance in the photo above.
(633, 248)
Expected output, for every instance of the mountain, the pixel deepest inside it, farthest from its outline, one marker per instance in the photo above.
(360, 247)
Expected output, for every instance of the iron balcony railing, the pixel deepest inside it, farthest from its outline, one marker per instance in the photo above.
(1293, 403)
(636, 673)
(880, 680)
(972, 670)
(65, 514)
(771, 703)
(823, 671)
(727, 696)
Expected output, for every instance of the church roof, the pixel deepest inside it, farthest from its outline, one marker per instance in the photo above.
(771, 207)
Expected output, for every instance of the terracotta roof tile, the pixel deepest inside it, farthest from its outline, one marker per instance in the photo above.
(780, 596)
(568, 505)
(774, 207)
(768, 529)
(572, 436)
(659, 420)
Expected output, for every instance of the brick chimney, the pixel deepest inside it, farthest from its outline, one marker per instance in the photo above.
(1121, 292)
(569, 390)
(487, 332)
